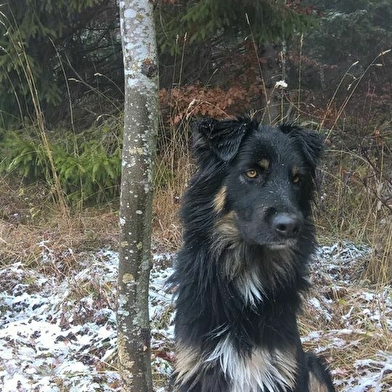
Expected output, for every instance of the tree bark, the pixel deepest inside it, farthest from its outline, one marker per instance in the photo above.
(140, 129)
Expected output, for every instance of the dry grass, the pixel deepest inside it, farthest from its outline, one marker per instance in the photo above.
(174, 167)
(349, 317)
(349, 209)
(30, 223)
(379, 269)
(166, 225)
(355, 197)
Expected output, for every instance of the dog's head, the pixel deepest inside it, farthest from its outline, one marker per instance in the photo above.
(265, 176)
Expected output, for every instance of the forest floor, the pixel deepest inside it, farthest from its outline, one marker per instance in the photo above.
(58, 329)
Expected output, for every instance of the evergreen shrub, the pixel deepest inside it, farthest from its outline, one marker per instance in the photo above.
(88, 164)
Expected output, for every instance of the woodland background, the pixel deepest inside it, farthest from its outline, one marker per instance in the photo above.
(61, 98)
(323, 64)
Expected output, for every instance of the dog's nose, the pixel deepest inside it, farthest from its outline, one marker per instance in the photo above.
(286, 225)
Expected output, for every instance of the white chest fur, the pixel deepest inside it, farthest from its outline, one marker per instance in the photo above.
(263, 370)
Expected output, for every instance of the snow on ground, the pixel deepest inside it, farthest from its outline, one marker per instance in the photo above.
(57, 333)
(57, 322)
(360, 315)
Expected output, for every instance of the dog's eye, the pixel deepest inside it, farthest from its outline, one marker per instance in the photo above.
(251, 173)
(296, 179)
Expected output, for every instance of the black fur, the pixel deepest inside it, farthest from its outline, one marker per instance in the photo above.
(248, 236)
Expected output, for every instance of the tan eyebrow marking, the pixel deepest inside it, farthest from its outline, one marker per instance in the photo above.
(295, 175)
(264, 164)
(294, 170)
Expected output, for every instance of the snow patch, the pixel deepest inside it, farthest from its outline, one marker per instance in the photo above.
(58, 332)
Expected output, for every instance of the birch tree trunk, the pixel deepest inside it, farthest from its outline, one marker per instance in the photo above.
(140, 129)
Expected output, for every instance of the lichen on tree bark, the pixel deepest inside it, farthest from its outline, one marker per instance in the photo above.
(140, 128)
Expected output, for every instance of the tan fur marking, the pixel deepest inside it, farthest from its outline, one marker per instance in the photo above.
(227, 236)
(295, 174)
(315, 385)
(277, 263)
(187, 364)
(264, 164)
(220, 199)
(294, 170)
(227, 229)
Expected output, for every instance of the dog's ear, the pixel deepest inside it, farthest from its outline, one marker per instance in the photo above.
(222, 137)
(310, 143)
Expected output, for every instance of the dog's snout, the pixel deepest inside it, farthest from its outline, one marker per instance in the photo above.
(286, 225)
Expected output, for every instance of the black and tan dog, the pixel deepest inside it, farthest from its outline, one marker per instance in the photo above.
(248, 237)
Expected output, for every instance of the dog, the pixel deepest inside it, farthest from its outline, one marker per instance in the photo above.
(240, 275)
